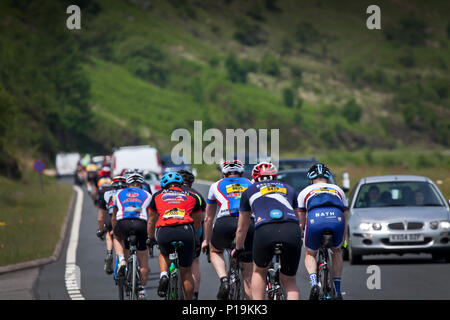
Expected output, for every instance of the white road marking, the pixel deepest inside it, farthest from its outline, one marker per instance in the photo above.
(73, 272)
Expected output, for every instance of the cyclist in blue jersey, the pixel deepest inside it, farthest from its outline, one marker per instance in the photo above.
(322, 207)
(130, 214)
(274, 205)
(226, 193)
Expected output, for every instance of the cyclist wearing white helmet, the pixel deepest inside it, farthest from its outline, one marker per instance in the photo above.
(274, 206)
(227, 194)
(130, 214)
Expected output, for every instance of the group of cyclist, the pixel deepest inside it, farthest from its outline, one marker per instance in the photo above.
(247, 217)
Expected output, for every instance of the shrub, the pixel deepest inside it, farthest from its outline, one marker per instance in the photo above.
(306, 34)
(248, 34)
(270, 66)
(236, 71)
(410, 31)
(352, 111)
(288, 97)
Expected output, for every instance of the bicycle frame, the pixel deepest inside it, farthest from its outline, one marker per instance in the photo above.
(324, 270)
(235, 278)
(175, 290)
(274, 289)
(128, 284)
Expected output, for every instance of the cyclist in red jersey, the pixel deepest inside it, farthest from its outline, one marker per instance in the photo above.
(175, 215)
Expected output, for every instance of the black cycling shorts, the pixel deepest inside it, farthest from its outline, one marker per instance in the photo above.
(124, 227)
(185, 233)
(224, 232)
(267, 235)
(108, 222)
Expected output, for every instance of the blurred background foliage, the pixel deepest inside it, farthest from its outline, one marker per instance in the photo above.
(139, 69)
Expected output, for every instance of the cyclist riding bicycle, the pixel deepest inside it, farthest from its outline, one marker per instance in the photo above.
(145, 185)
(103, 183)
(188, 180)
(274, 206)
(175, 213)
(105, 210)
(227, 194)
(322, 207)
(130, 213)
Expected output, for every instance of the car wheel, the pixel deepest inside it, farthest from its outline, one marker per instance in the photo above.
(353, 257)
(345, 254)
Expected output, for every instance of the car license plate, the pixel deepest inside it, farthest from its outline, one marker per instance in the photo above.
(414, 237)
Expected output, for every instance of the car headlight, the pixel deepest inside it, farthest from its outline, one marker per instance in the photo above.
(376, 226)
(434, 225)
(364, 226)
(445, 224)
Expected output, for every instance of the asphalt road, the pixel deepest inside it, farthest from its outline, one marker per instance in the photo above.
(406, 277)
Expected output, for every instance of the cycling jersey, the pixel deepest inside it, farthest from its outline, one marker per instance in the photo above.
(174, 206)
(320, 195)
(270, 201)
(132, 203)
(324, 204)
(104, 182)
(91, 167)
(106, 199)
(227, 194)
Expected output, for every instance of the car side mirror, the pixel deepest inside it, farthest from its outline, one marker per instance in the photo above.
(345, 182)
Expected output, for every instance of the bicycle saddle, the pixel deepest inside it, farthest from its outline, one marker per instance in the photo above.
(327, 239)
(278, 248)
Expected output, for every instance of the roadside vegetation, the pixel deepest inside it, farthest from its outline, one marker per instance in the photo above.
(31, 220)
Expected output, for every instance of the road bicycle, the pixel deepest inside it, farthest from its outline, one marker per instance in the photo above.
(325, 277)
(128, 283)
(175, 289)
(274, 288)
(234, 274)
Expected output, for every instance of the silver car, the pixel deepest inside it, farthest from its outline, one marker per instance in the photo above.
(397, 214)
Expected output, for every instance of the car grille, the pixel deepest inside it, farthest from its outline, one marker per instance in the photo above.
(415, 225)
(401, 226)
(396, 226)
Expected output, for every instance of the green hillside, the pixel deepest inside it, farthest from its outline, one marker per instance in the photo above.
(139, 69)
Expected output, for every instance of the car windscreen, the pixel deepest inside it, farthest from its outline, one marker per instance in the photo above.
(296, 180)
(295, 164)
(408, 193)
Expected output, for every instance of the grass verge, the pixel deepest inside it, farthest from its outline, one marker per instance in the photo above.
(31, 220)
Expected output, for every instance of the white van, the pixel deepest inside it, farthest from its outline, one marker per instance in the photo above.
(66, 163)
(136, 157)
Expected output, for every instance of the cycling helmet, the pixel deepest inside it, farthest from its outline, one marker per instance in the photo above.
(230, 166)
(264, 171)
(170, 177)
(135, 178)
(188, 177)
(119, 182)
(105, 172)
(319, 170)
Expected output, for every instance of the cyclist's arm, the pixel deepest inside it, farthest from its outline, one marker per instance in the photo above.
(101, 218)
(302, 218)
(242, 228)
(209, 219)
(113, 218)
(152, 218)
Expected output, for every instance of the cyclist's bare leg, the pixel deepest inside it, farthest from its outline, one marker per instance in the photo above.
(337, 261)
(290, 287)
(196, 274)
(310, 261)
(163, 262)
(142, 256)
(247, 275)
(109, 240)
(258, 282)
(218, 262)
(188, 282)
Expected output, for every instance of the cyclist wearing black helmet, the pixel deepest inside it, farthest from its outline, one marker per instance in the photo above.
(130, 214)
(188, 180)
(322, 206)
